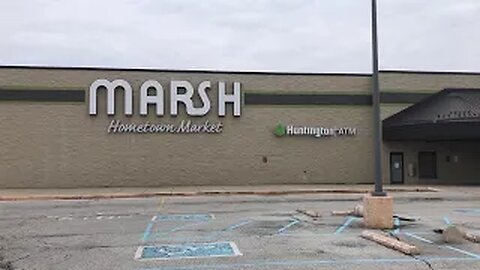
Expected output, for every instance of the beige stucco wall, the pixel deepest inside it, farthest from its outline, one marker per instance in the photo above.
(427, 82)
(58, 144)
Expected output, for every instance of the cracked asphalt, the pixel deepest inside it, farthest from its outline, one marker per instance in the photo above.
(268, 231)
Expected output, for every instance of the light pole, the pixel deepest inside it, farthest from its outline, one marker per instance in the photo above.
(377, 125)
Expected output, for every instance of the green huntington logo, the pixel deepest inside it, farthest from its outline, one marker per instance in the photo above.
(280, 130)
(314, 131)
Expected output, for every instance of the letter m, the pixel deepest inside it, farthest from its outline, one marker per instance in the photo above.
(111, 88)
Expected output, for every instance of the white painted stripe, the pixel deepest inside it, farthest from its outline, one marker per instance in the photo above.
(419, 238)
(138, 253)
(476, 256)
(235, 248)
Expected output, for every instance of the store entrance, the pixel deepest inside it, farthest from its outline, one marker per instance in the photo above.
(396, 168)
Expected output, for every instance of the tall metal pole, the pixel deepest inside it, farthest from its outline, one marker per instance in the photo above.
(377, 133)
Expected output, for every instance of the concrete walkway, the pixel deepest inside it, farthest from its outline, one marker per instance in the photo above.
(424, 192)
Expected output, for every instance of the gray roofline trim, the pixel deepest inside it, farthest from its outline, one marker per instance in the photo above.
(274, 73)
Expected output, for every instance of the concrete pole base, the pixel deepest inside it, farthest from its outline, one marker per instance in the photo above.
(378, 212)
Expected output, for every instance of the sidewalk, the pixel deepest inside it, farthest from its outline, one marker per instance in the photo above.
(412, 192)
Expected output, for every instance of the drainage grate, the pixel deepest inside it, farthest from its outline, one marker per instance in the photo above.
(194, 217)
(183, 251)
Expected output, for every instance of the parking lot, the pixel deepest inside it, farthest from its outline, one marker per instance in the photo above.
(226, 232)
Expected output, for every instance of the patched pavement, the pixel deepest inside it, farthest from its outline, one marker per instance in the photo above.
(225, 232)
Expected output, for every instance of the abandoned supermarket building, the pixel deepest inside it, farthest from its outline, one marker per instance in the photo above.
(111, 127)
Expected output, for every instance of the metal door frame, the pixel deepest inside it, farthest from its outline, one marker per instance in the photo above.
(403, 168)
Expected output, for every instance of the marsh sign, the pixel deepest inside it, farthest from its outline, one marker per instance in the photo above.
(181, 92)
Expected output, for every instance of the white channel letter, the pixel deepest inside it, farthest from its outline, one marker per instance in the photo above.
(156, 99)
(175, 97)
(223, 98)
(202, 91)
(110, 86)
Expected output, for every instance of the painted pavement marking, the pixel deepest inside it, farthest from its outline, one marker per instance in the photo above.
(147, 232)
(419, 238)
(200, 218)
(476, 256)
(230, 228)
(238, 225)
(97, 217)
(185, 251)
(292, 223)
(344, 225)
(161, 204)
(184, 217)
(298, 263)
(178, 228)
(396, 222)
(447, 221)
(473, 255)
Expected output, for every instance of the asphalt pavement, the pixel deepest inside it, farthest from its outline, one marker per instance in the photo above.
(227, 232)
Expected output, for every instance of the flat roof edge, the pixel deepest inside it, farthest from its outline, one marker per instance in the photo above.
(430, 72)
(182, 71)
(245, 72)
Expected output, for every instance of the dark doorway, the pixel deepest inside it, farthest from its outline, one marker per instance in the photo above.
(427, 165)
(396, 168)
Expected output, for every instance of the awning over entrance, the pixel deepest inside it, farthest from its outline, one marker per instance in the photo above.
(451, 114)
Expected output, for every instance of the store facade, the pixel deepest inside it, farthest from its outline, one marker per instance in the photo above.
(100, 127)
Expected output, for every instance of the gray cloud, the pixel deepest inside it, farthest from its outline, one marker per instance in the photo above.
(281, 35)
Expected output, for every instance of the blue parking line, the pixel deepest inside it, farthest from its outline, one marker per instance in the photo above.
(178, 228)
(147, 232)
(345, 225)
(396, 222)
(298, 263)
(284, 228)
(238, 225)
(229, 228)
(447, 221)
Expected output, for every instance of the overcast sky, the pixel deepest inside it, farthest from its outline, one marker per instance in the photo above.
(275, 35)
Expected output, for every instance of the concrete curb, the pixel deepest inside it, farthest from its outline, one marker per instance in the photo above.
(204, 193)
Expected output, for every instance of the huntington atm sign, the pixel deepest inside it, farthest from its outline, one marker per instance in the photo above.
(313, 131)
